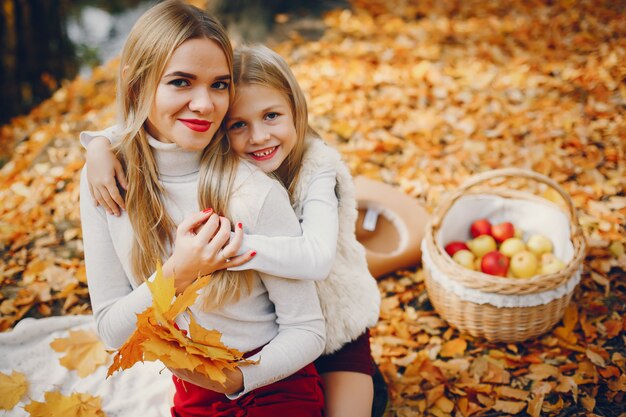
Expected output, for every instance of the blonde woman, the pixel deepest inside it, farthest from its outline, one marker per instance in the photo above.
(174, 88)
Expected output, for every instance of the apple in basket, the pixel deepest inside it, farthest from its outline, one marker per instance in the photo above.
(482, 245)
(539, 244)
(550, 264)
(453, 247)
(511, 246)
(524, 264)
(495, 263)
(464, 258)
(480, 227)
(503, 231)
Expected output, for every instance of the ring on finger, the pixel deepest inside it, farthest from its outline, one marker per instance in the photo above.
(226, 258)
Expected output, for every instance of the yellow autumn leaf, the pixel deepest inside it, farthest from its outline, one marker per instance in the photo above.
(84, 351)
(12, 388)
(57, 405)
(454, 347)
(162, 289)
(157, 337)
(186, 299)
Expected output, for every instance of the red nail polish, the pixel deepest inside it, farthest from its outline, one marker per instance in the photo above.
(239, 225)
(252, 254)
(209, 210)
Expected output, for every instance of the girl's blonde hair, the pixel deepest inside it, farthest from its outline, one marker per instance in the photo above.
(148, 48)
(259, 65)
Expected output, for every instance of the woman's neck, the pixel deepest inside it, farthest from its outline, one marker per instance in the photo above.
(172, 160)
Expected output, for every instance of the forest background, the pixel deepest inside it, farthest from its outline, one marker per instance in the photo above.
(420, 95)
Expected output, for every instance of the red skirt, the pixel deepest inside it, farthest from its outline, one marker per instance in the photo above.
(354, 356)
(300, 394)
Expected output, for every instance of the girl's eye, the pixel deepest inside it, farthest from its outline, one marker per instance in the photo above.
(271, 115)
(236, 125)
(220, 85)
(179, 82)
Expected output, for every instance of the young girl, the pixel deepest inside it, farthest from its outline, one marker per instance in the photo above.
(267, 126)
(174, 89)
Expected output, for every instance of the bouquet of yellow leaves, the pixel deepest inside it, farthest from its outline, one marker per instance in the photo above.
(157, 337)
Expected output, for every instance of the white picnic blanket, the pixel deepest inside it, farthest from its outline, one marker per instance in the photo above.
(143, 390)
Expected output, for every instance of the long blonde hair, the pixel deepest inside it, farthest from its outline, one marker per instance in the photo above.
(148, 48)
(259, 65)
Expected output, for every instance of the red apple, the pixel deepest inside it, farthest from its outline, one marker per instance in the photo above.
(495, 263)
(503, 231)
(454, 247)
(480, 227)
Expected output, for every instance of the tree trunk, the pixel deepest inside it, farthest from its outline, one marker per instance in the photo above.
(36, 52)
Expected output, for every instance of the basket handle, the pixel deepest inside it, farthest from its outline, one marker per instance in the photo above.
(506, 173)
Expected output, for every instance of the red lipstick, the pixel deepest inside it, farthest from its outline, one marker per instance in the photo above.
(197, 125)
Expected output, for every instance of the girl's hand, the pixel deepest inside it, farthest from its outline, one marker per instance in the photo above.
(202, 245)
(104, 172)
(233, 384)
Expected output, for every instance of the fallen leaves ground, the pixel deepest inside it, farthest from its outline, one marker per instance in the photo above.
(422, 95)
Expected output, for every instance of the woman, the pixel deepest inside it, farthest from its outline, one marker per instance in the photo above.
(173, 92)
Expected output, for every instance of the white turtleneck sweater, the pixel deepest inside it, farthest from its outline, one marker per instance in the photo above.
(282, 315)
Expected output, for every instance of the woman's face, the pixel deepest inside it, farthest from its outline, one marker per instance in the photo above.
(260, 126)
(192, 97)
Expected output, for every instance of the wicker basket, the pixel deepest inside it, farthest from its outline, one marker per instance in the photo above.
(496, 308)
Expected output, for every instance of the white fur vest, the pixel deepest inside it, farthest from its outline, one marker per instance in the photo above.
(349, 296)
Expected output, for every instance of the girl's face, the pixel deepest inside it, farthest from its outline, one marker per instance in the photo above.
(260, 126)
(191, 98)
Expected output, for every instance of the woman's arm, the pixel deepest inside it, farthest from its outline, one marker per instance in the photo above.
(301, 330)
(300, 338)
(114, 302)
(197, 251)
(311, 255)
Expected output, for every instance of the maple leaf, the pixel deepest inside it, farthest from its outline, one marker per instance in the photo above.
(57, 405)
(12, 387)
(157, 337)
(85, 351)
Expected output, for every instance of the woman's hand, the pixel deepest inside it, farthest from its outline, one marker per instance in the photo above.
(233, 384)
(104, 172)
(202, 246)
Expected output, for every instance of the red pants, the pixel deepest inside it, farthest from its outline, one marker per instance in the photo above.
(299, 395)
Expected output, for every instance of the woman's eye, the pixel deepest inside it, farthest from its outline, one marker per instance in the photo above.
(220, 85)
(271, 115)
(179, 82)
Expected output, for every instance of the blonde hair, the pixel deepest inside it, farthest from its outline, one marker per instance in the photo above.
(259, 65)
(148, 48)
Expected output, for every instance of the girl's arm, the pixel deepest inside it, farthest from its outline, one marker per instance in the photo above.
(105, 174)
(311, 255)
